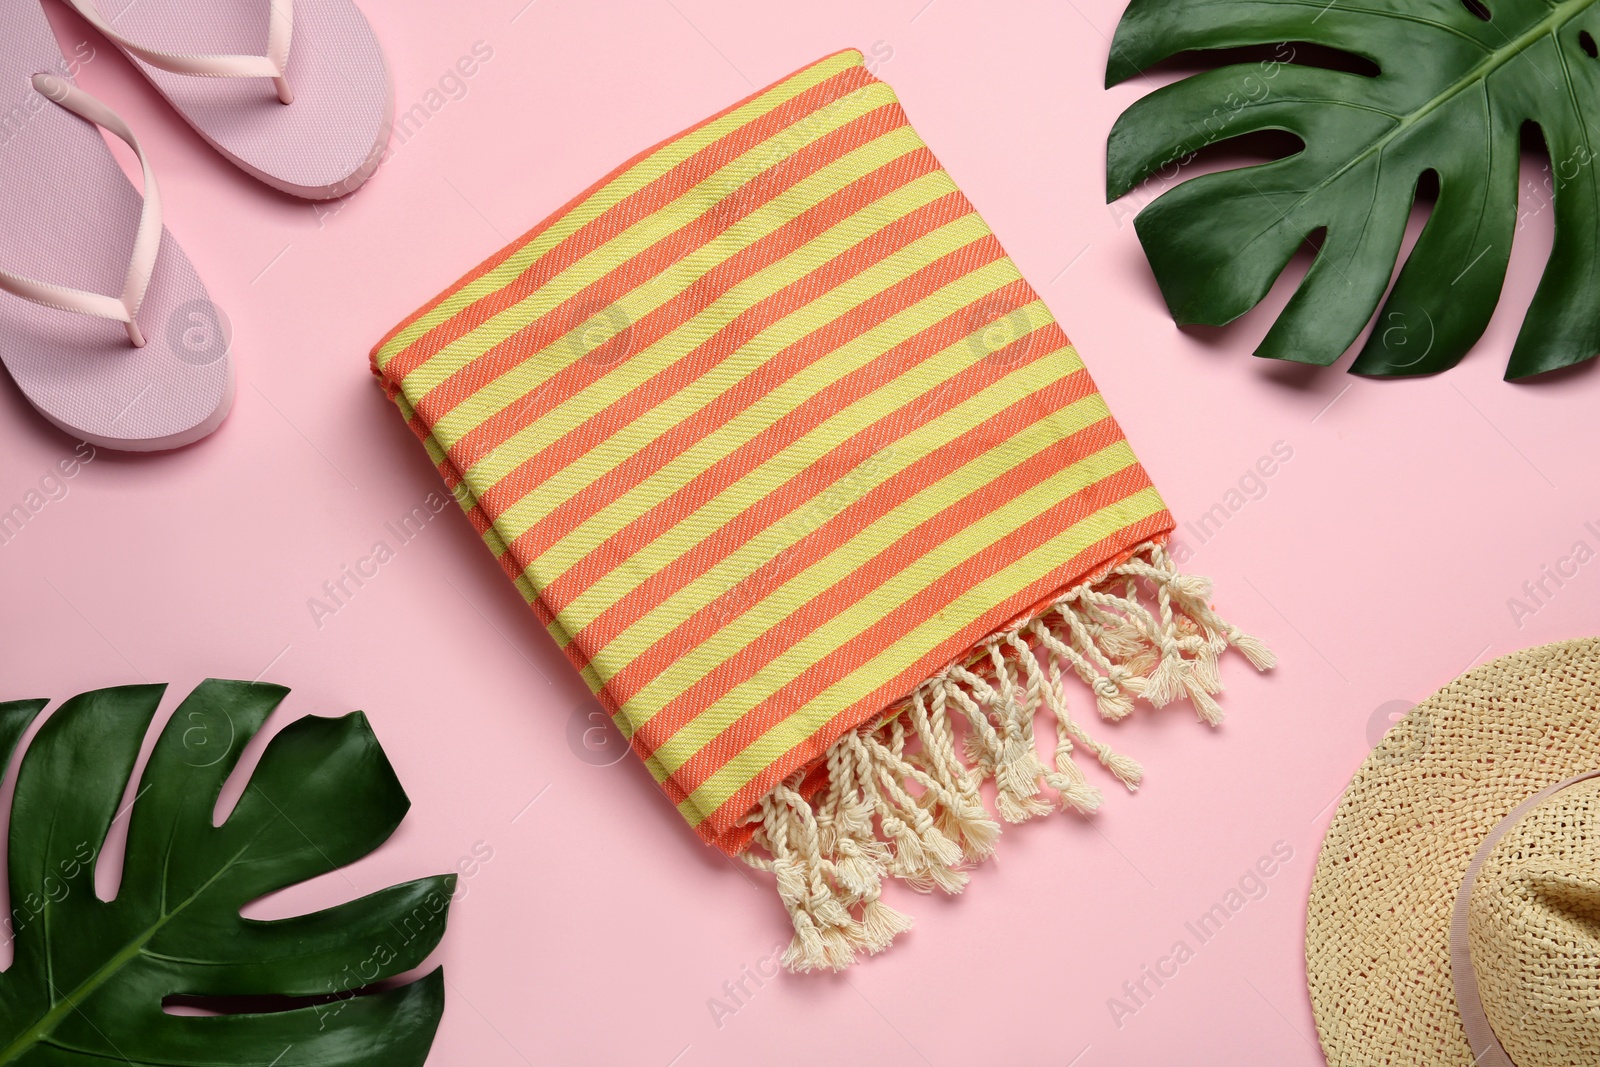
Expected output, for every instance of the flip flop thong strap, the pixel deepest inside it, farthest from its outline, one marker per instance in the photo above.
(274, 64)
(146, 243)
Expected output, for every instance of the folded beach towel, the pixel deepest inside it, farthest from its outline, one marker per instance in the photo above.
(815, 493)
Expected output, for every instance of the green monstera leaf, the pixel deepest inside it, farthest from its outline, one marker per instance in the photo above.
(89, 978)
(1456, 81)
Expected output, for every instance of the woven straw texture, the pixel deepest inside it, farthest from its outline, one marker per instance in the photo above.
(1377, 924)
(1534, 931)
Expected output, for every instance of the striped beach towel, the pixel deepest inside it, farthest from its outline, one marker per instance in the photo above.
(812, 489)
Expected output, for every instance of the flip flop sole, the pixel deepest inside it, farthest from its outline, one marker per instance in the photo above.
(326, 143)
(70, 219)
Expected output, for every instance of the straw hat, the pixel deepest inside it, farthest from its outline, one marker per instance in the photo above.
(1455, 914)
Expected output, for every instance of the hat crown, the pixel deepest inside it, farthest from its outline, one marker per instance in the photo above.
(1533, 930)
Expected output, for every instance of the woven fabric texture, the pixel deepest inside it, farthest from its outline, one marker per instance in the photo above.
(769, 429)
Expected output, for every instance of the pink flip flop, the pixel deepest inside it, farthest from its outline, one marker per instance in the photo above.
(293, 91)
(145, 369)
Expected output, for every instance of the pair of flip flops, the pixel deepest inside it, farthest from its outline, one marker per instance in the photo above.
(104, 324)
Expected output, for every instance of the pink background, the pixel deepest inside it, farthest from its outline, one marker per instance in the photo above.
(1378, 561)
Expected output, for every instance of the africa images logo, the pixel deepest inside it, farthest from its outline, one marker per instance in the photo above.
(1398, 732)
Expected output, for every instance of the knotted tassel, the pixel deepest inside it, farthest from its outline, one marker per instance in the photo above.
(901, 794)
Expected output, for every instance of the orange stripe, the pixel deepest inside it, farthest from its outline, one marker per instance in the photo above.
(725, 826)
(679, 387)
(758, 383)
(452, 477)
(493, 261)
(948, 396)
(784, 500)
(617, 218)
(775, 246)
(701, 294)
(756, 721)
(648, 394)
(849, 589)
(534, 336)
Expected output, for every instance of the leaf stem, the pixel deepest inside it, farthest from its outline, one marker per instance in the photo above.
(69, 1003)
(1562, 14)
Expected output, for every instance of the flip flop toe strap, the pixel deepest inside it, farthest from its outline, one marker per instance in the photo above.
(274, 64)
(146, 243)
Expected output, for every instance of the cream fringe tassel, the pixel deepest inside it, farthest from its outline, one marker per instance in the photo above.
(902, 799)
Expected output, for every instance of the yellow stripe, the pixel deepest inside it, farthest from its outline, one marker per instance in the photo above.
(630, 181)
(614, 253)
(786, 533)
(677, 233)
(541, 366)
(651, 360)
(803, 723)
(744, 427)
(839, 565)
(923, 379)
(464, 497)
(671, 410)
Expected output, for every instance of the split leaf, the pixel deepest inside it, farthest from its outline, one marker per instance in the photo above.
(90, 978)
(1456, 82)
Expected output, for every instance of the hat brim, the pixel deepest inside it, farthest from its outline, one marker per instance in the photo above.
(1378, 919)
